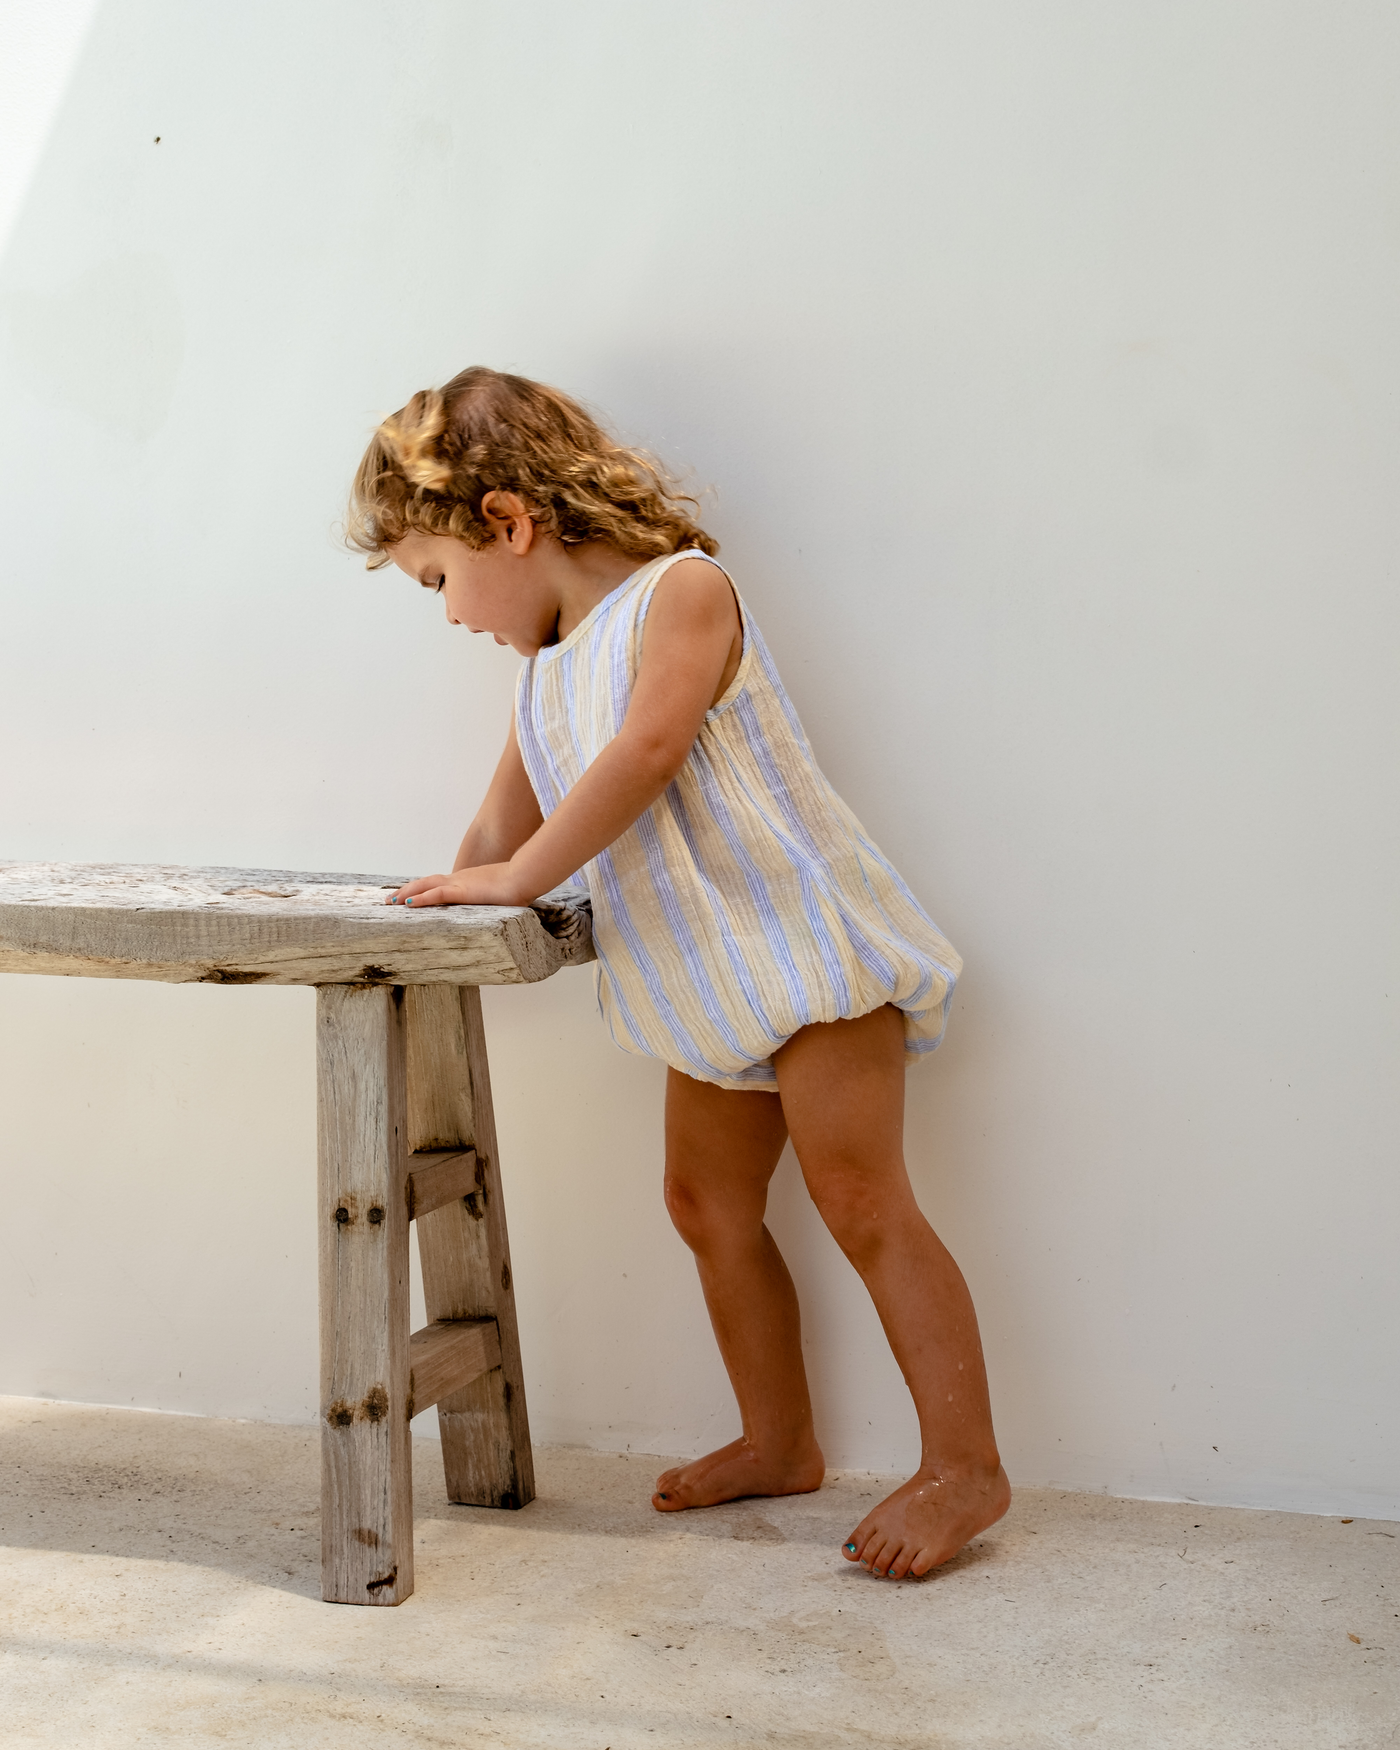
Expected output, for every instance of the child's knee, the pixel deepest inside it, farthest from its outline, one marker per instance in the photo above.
(856, 1214)
(702, 1216)
(687, 1210)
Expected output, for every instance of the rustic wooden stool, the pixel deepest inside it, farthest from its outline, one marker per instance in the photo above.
(405, 1135)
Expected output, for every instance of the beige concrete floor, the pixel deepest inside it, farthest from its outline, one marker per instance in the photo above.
(160, 1587)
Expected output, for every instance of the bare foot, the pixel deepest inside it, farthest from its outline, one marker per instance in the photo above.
(927, 1521)
(737, 1470)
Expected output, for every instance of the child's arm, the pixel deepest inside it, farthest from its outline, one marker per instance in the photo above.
(508, 815)
(691, 629)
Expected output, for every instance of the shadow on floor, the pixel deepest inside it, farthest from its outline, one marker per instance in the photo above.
(238, 1496)
(162, 1584)
(243, 1497)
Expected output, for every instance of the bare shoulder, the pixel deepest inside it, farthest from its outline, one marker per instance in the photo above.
(694, 590)
(693, 626)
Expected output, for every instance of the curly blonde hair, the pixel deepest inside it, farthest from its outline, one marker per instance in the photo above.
(429, 466)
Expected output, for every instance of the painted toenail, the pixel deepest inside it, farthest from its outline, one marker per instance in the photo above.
(851, 1547)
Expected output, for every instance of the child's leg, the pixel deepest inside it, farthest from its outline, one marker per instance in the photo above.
(721, 1149)
(842, 1090)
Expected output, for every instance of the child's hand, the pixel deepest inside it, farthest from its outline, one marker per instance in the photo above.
(489, 884)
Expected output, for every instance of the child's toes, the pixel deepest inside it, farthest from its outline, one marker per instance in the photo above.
(892, 1552)
(898, 1565)
(862, 1542)
(669, 1495)
(875, 1554)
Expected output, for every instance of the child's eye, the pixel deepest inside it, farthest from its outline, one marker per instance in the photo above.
(438, 585)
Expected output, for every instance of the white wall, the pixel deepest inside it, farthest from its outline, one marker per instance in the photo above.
(1045, 360)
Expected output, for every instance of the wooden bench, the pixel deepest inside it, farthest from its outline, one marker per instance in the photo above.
(405, 1138)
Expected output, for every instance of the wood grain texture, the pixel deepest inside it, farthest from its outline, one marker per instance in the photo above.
(271, 926)
(440, 1114)
(366, 1474)
(444, 1177)
(447, 1355)
(464, 1249)
(497, 1426)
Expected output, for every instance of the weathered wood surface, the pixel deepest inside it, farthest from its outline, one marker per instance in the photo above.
(438, 1178)
(405, 1131)
(464, 1247)
(271, 926)
(366, 1465)
(447, 1355)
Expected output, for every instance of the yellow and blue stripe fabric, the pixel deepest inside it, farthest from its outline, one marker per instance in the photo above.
(748, 901)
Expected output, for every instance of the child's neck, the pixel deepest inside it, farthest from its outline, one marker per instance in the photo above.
(586, 574)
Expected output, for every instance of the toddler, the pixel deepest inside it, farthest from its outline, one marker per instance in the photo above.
(748, 932)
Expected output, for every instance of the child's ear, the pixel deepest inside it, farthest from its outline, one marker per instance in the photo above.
(508, 517)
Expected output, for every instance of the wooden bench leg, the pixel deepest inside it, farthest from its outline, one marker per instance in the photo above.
(406, 1132)
(366, 1479)
(462, 1240)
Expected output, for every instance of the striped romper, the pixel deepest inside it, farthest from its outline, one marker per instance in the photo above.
(747, 901)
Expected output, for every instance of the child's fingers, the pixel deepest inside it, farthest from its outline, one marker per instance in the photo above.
(442, 894)
(411, 889)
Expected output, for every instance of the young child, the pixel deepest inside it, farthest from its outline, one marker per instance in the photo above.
(748, 932)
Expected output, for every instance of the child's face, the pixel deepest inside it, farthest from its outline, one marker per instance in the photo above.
(489, 591)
